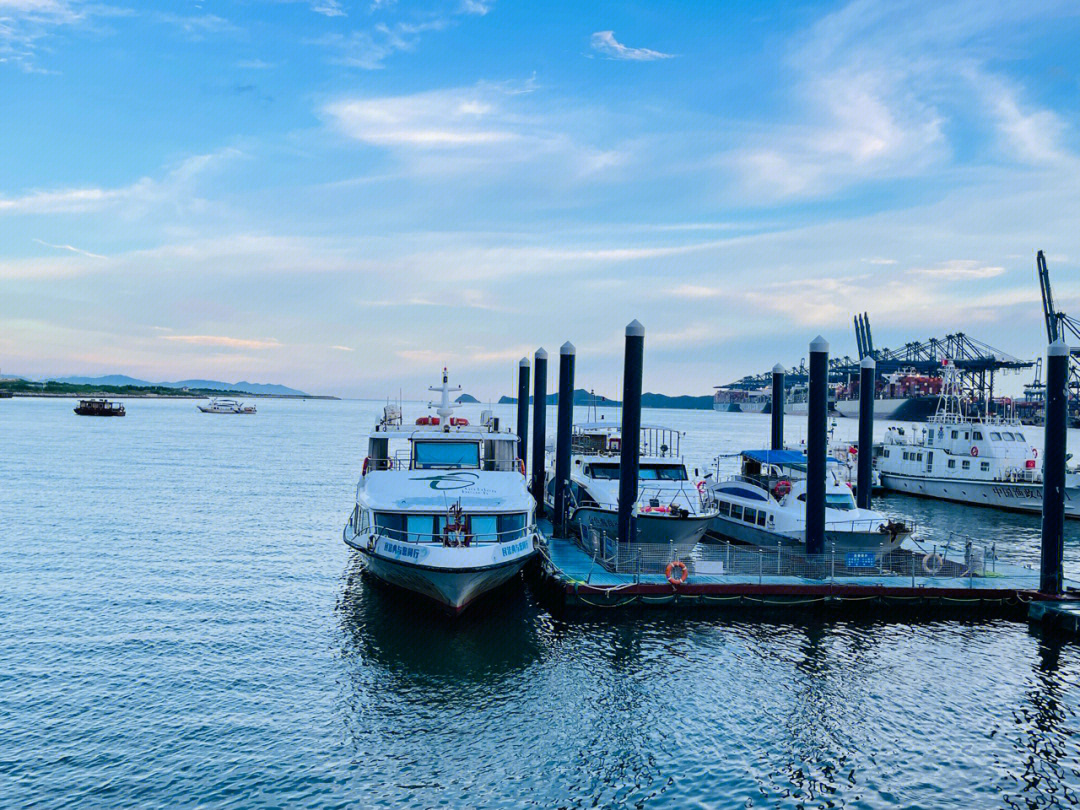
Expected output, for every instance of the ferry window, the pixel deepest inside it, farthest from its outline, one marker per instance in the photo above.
(1020, 437)
(445, 455)
(956, 434)
(1009, 437)
(839, 500)
(604, 472)
(919, 457)
(664, 473)
(952, 463)
(390, 525)
(966, 464)
(750, 515)
(984, 466)
(725, 508)
(976, 435)
(760, 518)
(905, 455)
(886, 454)
(736, 511)
(484, 527)
(511, 527)
(967, 435)
(995, 436)
(421, 528)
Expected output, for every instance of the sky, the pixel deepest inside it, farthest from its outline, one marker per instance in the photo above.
(344, 197)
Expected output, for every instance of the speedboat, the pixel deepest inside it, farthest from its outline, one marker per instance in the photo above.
(984, 461)
(442, 509)
(765, 505)
(669, 509)
(219, 405)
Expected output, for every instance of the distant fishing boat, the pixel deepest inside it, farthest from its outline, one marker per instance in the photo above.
(446, 515)
(99, 407)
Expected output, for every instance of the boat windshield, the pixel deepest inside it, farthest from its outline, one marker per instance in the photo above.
(445, 455)
(647, 472)
(836, 500)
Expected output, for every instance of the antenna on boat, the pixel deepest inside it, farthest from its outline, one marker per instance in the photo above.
(445, 409)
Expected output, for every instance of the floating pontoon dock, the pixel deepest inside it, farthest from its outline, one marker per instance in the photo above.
(734, 575)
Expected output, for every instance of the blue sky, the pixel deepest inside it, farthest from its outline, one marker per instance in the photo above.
(346, 196)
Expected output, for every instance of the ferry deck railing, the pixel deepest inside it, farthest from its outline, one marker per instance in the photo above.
(443, 538)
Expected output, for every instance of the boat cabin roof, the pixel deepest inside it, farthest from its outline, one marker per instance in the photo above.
(783, 458)
(438, 433)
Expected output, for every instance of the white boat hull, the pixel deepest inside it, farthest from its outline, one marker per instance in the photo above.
(451, 577)
(748, 534)
(1016, 496)
(682, 532)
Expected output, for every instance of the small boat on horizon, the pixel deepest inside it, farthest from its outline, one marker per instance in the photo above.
(220, 405)
(100, 407)
(442, 509)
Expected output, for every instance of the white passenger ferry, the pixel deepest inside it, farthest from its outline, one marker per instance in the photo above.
(765, 505)
(987, 462)
(220, 405)
(441, 506)
(669, 509)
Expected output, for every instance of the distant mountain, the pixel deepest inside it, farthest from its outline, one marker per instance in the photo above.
(467, 399)
(244, 386)
(648, 400)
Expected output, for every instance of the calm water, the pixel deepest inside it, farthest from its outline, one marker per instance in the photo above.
(182, 626)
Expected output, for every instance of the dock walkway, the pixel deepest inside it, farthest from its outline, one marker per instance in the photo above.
(737, 575)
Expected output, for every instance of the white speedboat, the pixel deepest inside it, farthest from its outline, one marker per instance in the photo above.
(765, 505)
(441, 507)
(219, 405)
(987, 462)
(669, 509)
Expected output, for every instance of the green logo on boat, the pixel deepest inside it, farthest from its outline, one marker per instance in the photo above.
(454, 480)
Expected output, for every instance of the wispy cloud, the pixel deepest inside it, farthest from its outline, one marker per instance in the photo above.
(604, 42)
(72, 249)
(343, 348)
(369, 48)
(958, 270)
(25, 24)
(220, 341)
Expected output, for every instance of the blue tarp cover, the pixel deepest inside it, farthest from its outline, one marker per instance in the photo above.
(782, 457)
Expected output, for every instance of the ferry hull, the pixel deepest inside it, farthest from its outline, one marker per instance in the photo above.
(453, 585)
(741, 532)
(683, 533)
(1014, 496)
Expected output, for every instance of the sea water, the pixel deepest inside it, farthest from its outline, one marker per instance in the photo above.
(182, 626)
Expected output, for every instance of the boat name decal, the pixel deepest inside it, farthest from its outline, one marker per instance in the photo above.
(400, 550)
(1032, 493)
(516, 548)
(454, 480)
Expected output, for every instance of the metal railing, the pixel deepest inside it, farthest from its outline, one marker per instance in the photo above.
(905, 566)
(404, 463)
(444, 538)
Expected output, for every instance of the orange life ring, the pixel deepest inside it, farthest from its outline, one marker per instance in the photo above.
(1034, 452)
(974, 451)
(671, 566)
(521, 466)
(701, 487)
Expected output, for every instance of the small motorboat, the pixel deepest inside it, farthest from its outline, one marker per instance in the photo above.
(99, 407)
(219, 405)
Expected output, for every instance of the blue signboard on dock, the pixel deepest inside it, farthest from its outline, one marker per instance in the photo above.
(861, 559)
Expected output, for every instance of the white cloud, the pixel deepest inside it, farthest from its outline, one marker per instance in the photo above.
(438, 119)
(220, 341)
(604, 42)
(72, 249)
(958, 270)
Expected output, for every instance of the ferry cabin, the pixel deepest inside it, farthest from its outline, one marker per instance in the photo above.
(977, 451)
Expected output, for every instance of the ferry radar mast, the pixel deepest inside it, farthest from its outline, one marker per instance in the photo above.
(445, 409)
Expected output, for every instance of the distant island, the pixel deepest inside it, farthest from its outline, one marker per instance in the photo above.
(122, 385)
(648, 400)
(467, 399)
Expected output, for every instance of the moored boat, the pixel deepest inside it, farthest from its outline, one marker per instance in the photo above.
(442, 509)
(221, 405)
(669, 510)
(765, 505)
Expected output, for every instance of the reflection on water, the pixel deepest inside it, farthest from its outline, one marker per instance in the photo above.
(201, 636)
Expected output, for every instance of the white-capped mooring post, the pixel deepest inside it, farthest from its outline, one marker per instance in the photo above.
(1054, 457)
(523, 409)
(817, 446)
(776, 408)
(539, 428)
(565, 428)
(864, 473)
(630, 449)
